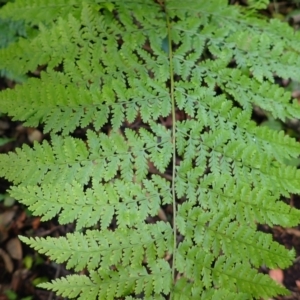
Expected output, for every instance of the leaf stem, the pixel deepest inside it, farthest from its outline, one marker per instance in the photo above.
(174, 147)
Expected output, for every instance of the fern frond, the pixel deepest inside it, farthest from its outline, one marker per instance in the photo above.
(131, 203)
(35, 12)
(112, 66)
(128, 247)
(70, 158)
(109, 69)
(241, 277)
(109, 284)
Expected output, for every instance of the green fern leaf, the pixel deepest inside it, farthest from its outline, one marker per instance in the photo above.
(164, 92)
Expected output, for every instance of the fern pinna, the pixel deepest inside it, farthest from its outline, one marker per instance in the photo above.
(108, 66)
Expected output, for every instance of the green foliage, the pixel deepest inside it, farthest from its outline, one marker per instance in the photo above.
(108, 64)
(10, 30)
(12, 295)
